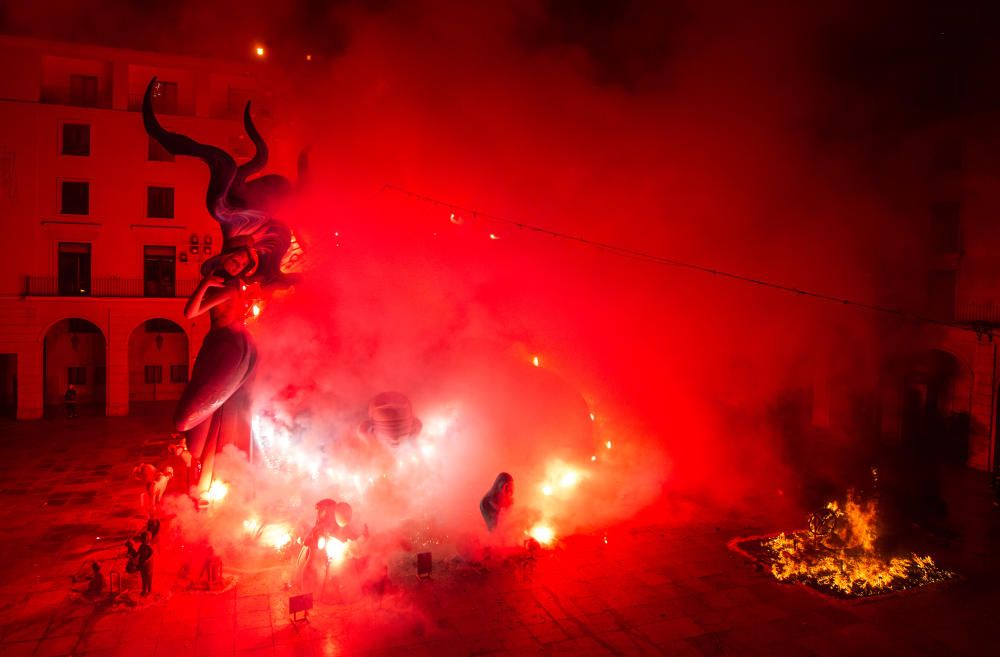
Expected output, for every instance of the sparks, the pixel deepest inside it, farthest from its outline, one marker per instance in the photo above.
(217, 491)
(546, 490)
(256, 310)
(593, 458)
(608, 444)
(276, 536)
(260, 51)
(336, 550)
(542, 533)
(570, 479)
(535, 361)
(439, 425)
(494, 236)
(592, 418)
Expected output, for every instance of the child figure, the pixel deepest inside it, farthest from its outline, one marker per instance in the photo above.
(498, 498)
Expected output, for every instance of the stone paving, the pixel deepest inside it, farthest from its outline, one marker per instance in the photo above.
(651, 589)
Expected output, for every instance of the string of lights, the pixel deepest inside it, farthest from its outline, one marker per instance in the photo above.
(681, 264)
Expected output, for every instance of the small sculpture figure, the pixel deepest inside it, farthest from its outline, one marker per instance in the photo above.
(326, 517)
(154, 485)
(144, 472)
(499, 497)
(159, 487)
(306, 565)
(214, 409)
(181, 460)
(345, 530)
(390, 419)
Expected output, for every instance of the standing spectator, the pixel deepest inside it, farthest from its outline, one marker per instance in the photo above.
(70, 398)
(145, 563)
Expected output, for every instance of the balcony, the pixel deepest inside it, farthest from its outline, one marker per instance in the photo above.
(122, 288)
(161, 106)
(978, 312)
(59, 96)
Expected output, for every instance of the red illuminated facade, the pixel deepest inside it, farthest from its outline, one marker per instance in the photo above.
(103, 231)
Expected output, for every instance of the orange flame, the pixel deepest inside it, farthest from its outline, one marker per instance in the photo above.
(839, 553)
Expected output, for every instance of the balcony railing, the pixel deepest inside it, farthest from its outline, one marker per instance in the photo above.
(58, 96)
(981, 312)
(48, 286)
(160, 106)
(261, 110)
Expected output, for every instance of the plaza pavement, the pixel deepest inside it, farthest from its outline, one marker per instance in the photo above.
(651, 589)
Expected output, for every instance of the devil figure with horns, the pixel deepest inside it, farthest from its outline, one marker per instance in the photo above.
(215, 407)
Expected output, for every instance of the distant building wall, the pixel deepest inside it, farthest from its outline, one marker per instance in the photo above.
(138, 264)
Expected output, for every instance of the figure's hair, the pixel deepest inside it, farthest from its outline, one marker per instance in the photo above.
(243, 208)
(502, 480)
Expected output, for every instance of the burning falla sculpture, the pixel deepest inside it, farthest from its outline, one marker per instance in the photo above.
(838, 555)
(215, 407)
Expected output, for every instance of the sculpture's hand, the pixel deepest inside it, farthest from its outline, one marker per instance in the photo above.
(197, 304)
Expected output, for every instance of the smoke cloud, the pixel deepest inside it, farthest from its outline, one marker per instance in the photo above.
(720, 135)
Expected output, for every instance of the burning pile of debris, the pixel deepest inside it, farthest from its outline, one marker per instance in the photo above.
(837, 555)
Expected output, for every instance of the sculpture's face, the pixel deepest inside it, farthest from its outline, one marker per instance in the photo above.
(236, 262)
(507, 492)
(343, 514)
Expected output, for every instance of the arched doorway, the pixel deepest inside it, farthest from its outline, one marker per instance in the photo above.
(157, 361)
(75, 353)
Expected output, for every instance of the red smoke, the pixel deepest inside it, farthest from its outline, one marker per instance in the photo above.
(703, 134)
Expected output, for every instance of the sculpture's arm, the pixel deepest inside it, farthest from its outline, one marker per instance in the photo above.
(201, 301)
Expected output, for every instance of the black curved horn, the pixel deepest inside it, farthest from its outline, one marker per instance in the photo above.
(221, 166)
(259, 159)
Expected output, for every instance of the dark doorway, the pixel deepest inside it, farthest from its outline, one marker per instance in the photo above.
(74, 353)
(160, 271)
(74, 269)
(8, 385)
